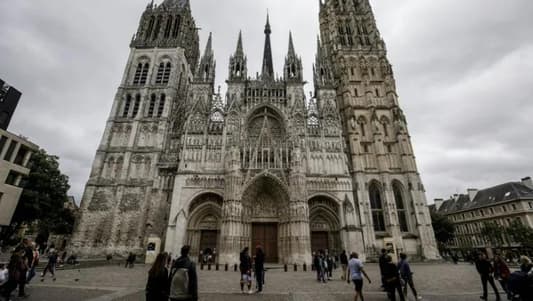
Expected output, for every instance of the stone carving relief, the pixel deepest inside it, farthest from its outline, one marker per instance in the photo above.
(130, 202)
(100, 201)
(264, 206)
(120, 134)
(205, 182)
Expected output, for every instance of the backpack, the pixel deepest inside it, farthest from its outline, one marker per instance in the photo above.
(179, 284)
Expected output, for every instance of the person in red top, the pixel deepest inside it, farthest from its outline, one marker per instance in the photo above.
(501, 271)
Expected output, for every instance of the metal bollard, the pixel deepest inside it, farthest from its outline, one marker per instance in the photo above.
(209, 267)
(285, 268)
(305, 267)
(202, 266)
(226, 267)
(235, 268)
(217, 267)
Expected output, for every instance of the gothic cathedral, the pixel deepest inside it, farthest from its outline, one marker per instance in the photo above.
(262, 164)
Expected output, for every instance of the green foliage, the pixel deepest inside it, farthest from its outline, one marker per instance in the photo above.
(493, 233)
(521, 234)
(43, 198)
(443, 228)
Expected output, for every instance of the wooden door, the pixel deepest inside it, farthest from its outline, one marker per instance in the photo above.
(319, 241)
(266, 235)
(208, 240)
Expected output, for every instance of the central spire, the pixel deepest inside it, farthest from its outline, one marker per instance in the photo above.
(268, 67)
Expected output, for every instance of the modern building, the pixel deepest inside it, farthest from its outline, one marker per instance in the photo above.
(9, 99)
(502, 204)
(15, 153)
(182, 164)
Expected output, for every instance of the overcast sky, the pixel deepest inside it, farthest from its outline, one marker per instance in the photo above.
(464, 71)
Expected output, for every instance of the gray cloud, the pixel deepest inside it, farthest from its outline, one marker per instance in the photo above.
(464, 71)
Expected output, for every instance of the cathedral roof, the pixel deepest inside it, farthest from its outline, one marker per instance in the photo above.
(175, 3)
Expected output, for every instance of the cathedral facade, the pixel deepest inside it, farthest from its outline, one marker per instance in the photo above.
(263, 164)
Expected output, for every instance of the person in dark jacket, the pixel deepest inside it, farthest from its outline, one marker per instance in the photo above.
(184, 262)
(382, 264)
(485, 270)
(344, 264)
(501, 272)
(158, 285)
(391, 277)
(259, 266)
(245, 267)
(407, 276)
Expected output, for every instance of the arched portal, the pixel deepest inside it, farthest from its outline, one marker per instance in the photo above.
(203, 229)
(324, 224)
(265, 208)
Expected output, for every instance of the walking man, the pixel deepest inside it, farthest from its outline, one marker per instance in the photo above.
(259, 266)
(355, 273)
(382, 265)
(184, 280)
(344, 264)
(407, 276)
(485, 270)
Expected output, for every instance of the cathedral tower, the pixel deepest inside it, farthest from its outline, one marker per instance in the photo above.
(388, 188)
(127, 197)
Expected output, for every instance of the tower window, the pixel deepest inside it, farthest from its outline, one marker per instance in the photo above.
(168, 27)
(157, 27)
(138, 72)
(176, 29)
(151, 108)
(400, 207)
(161, 105)
(150, 27)
(137, 105)
(160, 71)
(376, 206)
(144, 73)
(166, 73)
(127, 106)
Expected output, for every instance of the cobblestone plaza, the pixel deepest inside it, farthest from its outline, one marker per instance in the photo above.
(434, 282)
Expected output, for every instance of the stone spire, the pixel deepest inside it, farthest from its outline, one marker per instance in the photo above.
(268, 66)
(206, 68)
(237, 62)
(293, 64)
(321, 69)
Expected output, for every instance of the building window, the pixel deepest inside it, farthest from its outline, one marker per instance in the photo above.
(491, 210)
(376, 205)
(138, 72)
(504, 208)
(10, 150)
(168, 28)
(166, 73)
(144, 73)
(530, 203)
(481, 212)
(400, 207)
(151, 108)
(12, 178)
(513, 206)
(137, 105)
(150, 27)
(127, 106)
(161, 108)
(21, 155)
(157, 27)
(3, 140)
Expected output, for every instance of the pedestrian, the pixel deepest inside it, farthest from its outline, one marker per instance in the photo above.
(34, 263)
(501, 272)
(245, 267)
(316, 265)
(525, 264)
(4, 279)
(158, 285)
(391, 277)
(330, 263)
(13, 273)
(323, 267)
(382, 265)
(184, 280)
(407, 276)
(344, 264)
(51, 265)
(259, 265)
(485, 270)
(129, 261)
(355, 273)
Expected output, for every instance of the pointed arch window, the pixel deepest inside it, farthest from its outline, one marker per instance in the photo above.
(168, 27)
(151, 107)
(150, 27)
(127, 105)
(166, 73)
(400, 207)
(137, 105)
(138, 72)
(176, 29)
(161, 108)
(144, 74)
(160, 71)
(376, 206)
(157, 27)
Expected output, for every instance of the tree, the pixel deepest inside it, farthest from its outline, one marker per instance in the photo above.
(42, 202)
(493, 233)
(443, 228)
(521, 234)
